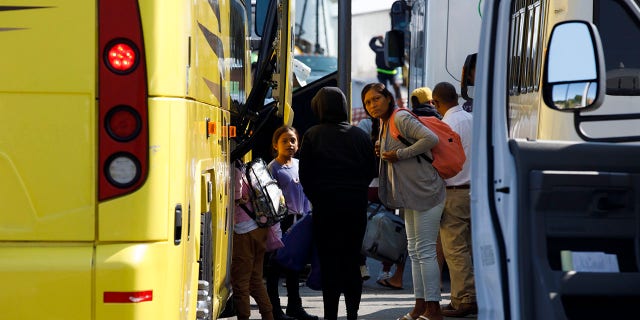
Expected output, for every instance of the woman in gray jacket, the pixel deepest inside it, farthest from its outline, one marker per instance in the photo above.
(408, 182)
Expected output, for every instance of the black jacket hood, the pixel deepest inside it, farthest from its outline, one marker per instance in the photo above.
(330, 105)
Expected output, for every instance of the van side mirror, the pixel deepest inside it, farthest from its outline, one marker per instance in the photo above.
(394, 48)
(574, 74)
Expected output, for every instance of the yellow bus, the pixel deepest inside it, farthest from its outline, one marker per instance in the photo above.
(115, 150)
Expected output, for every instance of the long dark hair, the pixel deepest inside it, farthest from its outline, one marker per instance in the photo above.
(381, 89)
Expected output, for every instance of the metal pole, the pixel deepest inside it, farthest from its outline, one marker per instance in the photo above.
(344, 48)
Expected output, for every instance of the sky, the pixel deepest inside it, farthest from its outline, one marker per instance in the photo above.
(362, 6)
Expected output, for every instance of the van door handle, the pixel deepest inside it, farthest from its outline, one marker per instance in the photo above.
(602, 203)
(503, 190)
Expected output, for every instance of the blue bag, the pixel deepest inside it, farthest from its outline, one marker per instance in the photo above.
(314, 280)
(296, 253)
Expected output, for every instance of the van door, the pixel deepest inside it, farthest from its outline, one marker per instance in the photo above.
(540, 207)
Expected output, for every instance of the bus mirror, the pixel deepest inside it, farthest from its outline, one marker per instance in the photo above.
(394, 48)
(262, 6)
(574, 69)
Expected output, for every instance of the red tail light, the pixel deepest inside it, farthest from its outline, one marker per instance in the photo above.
(123, 123)
(121, 56)
(122, 99)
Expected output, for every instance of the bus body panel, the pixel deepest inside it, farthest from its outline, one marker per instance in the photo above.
(208, 65)
(50, 281)
(167, 34)
(47, 167)
(193, 41)
(438, 46)
(33, 60)
(49, 163)
(145, 267)
(146, 214)
(47, 158)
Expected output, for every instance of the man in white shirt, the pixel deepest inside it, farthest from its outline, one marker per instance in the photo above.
(455, 226)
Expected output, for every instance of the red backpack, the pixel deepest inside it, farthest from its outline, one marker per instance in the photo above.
(448, 154)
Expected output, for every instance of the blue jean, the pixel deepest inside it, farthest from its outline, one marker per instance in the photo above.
(422, 232)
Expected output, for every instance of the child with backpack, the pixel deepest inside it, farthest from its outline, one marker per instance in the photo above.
(410, 182)
(249, 246)
(284, 168)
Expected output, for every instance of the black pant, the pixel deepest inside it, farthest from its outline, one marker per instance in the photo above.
(292, 278)
(339, 223)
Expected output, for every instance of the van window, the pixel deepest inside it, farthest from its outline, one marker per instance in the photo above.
(619, 31)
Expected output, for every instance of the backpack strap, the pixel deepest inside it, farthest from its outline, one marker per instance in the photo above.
(244, 207)
(395, 133)
(251, 214)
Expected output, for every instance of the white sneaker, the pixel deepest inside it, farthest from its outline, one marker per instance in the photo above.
(384, 276)
(364, 272)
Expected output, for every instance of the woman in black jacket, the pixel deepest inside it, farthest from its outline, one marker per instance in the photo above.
(337, 163)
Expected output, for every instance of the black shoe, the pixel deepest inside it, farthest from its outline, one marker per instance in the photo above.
(300, 314)
(281, 316)
(463, 310)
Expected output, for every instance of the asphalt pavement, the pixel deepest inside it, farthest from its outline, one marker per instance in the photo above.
(378, 302)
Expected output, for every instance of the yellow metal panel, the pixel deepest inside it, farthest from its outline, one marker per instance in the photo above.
(147, 214)
(210, 157)
(185, 44)
(210, 45)
(48, 49)
(221, 212)
(152, 267)
(47, 112)
(48, 282)
(285, 61)
(179, 157)
(166, 27)
(47, 166)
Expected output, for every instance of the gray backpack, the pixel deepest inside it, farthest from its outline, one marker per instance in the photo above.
(385, 238)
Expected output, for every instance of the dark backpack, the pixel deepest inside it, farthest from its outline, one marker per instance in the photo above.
(426, 110)
(448, 154)
(266, 196)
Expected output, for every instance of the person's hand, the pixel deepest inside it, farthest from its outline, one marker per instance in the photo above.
(376, 147)
(400, 102)
(390, 156)
(243, 200)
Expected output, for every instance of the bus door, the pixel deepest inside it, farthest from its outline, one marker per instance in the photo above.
(556, 223)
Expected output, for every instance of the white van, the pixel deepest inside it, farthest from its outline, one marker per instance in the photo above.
(555, 175)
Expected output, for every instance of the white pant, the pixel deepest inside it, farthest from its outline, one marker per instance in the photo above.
(422, 231)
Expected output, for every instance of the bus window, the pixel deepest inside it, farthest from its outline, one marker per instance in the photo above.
(316, 37)
(525, 57)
